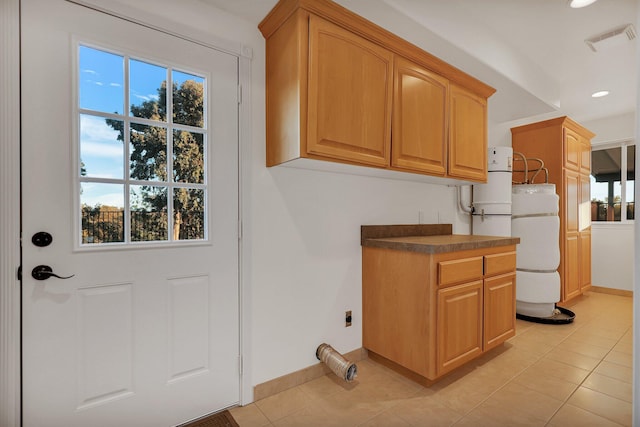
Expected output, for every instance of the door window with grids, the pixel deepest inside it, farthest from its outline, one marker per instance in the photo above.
(142, 151)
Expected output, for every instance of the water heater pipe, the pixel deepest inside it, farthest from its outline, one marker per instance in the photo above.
(464, 207)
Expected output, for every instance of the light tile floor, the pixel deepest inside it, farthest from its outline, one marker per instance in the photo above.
(577, 374)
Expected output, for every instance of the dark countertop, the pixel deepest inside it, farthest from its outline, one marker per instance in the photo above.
(428, 238)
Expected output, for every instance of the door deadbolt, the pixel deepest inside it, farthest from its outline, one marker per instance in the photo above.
(42, 239)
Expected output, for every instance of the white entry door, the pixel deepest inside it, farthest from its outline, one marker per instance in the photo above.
(130, 186)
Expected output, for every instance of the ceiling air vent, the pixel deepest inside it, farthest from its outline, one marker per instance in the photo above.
(612, 38)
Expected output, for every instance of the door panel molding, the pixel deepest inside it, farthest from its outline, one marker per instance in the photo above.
(10, 213)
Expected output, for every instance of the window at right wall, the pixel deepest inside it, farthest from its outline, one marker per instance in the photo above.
(613, 182)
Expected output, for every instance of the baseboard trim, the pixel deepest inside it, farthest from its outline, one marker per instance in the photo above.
(302, 376)
(611, 291)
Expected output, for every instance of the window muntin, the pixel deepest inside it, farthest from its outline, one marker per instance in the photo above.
(612, 183)
(630, 198)
(142, 174)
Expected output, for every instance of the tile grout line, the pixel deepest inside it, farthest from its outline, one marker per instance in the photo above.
(387, 409)
(540, 357)
(510, 380)
(585, 378)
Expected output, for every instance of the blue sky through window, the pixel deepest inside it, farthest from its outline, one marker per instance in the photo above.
(101, 81)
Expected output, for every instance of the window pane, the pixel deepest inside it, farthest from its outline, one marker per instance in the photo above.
(148, 152)
(102, 212)
(631, 179)
(148, 213)
(148, 90)
(101, 78)
(606, 192)
(101, 147)
(188, 214)
(188, 99)
(188, 157)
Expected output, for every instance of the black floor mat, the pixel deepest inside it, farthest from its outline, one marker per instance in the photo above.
(221, 419)
(561, 317)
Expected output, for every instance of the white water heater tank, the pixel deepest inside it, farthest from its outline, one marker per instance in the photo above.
(500, 159)
(492, 201)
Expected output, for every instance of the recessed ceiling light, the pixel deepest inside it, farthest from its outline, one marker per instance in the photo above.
(580, 3)
(600, 94)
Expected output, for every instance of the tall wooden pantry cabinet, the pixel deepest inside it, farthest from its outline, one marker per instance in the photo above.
(565, 148)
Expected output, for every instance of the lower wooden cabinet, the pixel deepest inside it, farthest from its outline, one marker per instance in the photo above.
(428, 314)
(459, 325)
(499, 309)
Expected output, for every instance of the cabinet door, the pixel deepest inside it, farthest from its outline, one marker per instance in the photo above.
(571, 267)
(585, 260)
(572, 150)
(459, 325)
(350, 94)
(584, 207)
(585, 156)
(572, 194)
(467, 135)
(420, 104)
(499, 309)
(570, 256)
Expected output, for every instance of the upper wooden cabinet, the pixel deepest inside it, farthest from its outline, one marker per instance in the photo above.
(350, 94)
(420, 103)
(577, 151)
(467, 135)
(342, 89)
(572, 146)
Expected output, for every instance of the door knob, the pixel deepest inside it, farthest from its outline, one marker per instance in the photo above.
(43, 272)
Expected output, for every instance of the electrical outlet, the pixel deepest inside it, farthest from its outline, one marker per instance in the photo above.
(347, 318)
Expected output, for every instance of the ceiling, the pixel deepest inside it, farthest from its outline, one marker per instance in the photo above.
(532, 51)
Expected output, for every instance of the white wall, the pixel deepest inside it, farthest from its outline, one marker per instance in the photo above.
(612, 254)
(306, 256)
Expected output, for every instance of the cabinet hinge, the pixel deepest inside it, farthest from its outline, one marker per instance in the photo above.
(239, 94)
(19, 272)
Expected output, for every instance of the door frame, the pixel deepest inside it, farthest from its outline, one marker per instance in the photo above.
(10, 403)
(10, 143)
